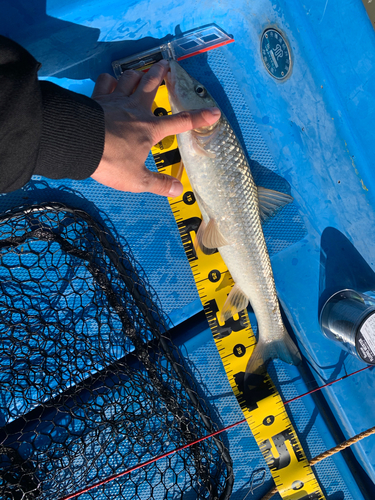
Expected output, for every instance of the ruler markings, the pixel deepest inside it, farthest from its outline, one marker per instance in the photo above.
(266, 415)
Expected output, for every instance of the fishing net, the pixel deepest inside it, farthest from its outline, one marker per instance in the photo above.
(90, 384)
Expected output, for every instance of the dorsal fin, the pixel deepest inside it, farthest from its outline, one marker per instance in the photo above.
(270, 201)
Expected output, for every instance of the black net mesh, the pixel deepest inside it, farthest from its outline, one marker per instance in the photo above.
(90, 384)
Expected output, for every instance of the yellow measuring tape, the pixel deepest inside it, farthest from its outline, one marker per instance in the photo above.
(235, 341)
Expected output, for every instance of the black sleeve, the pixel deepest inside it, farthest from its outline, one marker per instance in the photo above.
(44, 129)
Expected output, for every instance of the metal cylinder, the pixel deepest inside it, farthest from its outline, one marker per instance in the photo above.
(348, 317)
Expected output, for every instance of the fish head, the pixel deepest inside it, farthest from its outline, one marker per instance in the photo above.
(185, 92)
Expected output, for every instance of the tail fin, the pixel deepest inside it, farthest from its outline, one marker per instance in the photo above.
(283, 348)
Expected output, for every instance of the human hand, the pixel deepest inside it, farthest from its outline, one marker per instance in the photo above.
(131, 129)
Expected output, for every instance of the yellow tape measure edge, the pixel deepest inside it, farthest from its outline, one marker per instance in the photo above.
(269, 422)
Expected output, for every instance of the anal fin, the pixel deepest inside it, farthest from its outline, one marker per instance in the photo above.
(236, 302)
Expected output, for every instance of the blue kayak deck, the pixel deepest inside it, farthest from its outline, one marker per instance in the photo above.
(310, 135)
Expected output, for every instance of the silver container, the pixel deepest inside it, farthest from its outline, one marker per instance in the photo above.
(348, 317)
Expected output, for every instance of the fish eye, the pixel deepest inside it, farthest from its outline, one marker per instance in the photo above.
(200, 90)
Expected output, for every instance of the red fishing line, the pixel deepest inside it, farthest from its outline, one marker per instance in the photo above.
(176, 450)
(181, 58)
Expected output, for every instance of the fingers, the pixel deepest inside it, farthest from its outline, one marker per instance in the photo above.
(135, 178)
(161, 184)
(184, 121)
(148, 86)
(105, 84)
(128, 81)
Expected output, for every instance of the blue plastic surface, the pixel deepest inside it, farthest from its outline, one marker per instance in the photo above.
(310, 135)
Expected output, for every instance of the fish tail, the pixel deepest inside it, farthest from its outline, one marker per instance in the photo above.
(255, 375)
(282, 348)
(287, 350)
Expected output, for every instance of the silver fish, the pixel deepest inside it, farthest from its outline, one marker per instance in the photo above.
(233, 208)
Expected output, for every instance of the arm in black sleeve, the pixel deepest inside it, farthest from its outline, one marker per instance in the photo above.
(44, 129)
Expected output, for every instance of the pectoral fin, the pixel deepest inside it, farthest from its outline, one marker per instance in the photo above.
(236, 301)
(270, 201)
(180, 171)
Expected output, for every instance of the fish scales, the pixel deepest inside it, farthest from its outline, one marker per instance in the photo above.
(228, 197)
(229, 194)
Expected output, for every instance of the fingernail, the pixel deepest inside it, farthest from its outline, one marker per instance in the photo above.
(164, 62)
(214, 111)
(176, 189)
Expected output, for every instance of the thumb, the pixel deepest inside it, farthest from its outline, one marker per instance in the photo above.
(184, 121)
(105, 84)
(162, 184)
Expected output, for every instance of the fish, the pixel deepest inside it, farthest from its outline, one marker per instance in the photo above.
(233, 209)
